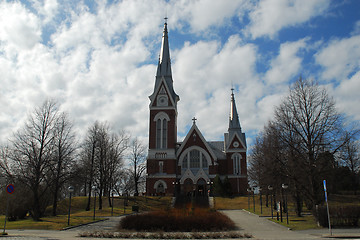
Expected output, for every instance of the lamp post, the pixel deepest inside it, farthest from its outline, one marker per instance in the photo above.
(253, 190)
(271, 197)
(94, 190)
(285, 186)
(260, 189)
(112, 202)
(249, 191)
(71, 190)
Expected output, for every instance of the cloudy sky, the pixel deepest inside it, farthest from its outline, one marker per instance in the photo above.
(98, 59)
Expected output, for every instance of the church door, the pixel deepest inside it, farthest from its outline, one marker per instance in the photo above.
(201, 187)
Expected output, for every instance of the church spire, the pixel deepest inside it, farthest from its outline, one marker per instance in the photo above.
(164, 65)
(234, 123)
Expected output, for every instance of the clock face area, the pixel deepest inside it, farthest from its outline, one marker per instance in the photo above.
(162, 101)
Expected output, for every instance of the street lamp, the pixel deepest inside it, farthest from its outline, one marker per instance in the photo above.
(249, 191)
(112, 202)
(285, 186)
(94, 190)
(260, 200)
(253, 190)
(271, 197)
(71, 190)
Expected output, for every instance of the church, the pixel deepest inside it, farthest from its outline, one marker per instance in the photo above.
(189, 166)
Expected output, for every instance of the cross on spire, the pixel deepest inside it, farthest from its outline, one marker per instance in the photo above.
(194, 120)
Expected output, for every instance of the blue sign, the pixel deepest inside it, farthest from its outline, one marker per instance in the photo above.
(324, 185)
(10, 188)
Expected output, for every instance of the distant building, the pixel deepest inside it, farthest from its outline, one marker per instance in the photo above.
(189, 166)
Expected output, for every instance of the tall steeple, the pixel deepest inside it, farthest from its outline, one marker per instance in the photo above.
(234, 123)
(164, 65)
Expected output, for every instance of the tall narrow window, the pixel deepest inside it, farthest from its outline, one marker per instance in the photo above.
(162, 120)
(236, 164)
(185, 162)
(194, 159)
(158, 133)
(204, 161)
(164, 134)
(161, 167)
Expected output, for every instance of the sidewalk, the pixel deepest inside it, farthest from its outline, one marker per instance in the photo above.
(258, 227)
(261, 228)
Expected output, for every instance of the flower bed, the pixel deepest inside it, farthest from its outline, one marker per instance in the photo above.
(178, 220)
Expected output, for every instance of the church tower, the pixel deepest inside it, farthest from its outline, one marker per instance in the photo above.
(235, 148)
(161, 161)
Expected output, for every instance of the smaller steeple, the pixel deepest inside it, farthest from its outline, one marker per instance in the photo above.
(234, 123)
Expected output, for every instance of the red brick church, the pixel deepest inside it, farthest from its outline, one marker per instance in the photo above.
(191, 165)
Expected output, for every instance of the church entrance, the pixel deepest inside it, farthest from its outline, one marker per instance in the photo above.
(201, 187)
(188, 187)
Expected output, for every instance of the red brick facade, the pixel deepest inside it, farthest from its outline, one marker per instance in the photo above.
(179, 168)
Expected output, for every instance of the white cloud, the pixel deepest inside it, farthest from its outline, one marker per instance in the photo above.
(204, 14)
(19, 28)
(287, 64)
(270, 16)
(204, 73)
(347, 96)
(340, 58)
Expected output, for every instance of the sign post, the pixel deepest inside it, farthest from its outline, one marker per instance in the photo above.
(9, 189)
(327, 207)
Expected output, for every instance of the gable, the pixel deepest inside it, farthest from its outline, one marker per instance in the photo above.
(236, 142)
(161, 90)
(195, 138)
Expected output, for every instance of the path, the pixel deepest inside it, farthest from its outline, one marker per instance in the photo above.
(261, 228)
(258, 227)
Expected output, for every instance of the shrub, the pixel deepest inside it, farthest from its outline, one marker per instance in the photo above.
(178, 220)
(339, 216)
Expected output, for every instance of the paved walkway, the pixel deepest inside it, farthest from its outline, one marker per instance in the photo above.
(259, 227)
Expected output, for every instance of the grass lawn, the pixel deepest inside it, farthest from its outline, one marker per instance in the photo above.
(78, 216)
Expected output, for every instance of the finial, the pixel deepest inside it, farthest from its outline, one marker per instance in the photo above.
(194, 120)
(232, 90)
(165, 18)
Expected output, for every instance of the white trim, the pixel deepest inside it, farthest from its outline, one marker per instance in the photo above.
(156, 184)
(201, 150)
(161, 116)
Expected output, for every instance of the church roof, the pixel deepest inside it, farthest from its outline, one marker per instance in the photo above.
(218, 148)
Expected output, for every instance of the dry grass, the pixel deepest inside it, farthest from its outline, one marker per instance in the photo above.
(79, 216)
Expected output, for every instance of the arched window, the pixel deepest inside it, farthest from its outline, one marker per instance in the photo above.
(194, 159)
(236, 163)
(161, 130)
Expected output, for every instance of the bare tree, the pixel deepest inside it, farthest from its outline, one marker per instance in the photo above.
(32, 151)
(63, 157)
(351, 158)
(88, 158)
(137, 159)
(311, 127)
(298, 147)
(102, 159)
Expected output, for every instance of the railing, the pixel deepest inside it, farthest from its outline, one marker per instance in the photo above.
(161, 155)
